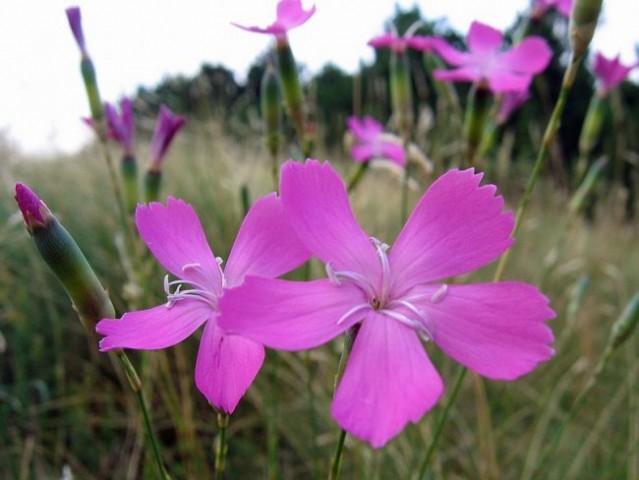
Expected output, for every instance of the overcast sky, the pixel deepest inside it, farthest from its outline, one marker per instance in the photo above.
(135, 42)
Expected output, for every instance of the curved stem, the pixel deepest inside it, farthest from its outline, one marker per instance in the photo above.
(549, 135)
(136, 386)
(337, 457)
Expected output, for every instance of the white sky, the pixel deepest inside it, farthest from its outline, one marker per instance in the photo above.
(136, 42)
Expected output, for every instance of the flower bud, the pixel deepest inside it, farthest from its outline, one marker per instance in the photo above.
(271, 110)
(592, 125)
(64, 257)
(583, 22)
(593, 177)
(291, 84)
(626, 323)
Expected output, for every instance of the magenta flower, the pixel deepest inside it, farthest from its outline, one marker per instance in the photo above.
(485, 62)
(167, 126)
(511, 102)
(226, 364)
(372, 143)
(610, 72)
(539, 7)
(392, 298)
(290, 14)
(75, 22)
(400, 43)
(120, 126)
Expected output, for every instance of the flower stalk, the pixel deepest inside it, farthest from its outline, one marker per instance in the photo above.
(89, 298)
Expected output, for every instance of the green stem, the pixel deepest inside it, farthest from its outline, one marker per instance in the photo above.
(356, 176)
(337, 457)
(441, 421)
(403, 208)
(220, 445)
(549, 135)
(136, 387)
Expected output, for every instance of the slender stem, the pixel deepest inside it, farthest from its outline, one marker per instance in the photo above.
(349, 338)
(356, 176)
(337, 457)
(441, 421)
(115, 185)
(136, 386)
(220, 445)
(405, 183)
(549, 135)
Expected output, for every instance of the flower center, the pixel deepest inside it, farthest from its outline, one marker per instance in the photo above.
(402, 309)
(197, 291)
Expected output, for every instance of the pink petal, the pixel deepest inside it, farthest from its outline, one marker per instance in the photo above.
(502, 82)
(155, 328)
(483, 38)
(564, 7)
(393, 152)
(175, 236)
(495, 329)
(366, 129)
(422, 43)
(291, 14)
(388, 382)
(456, 227)
(266, 244)
(450, 54)
(288, 315)
(388, 40)
(531, 56)
(315, 197)
(363, 153)
(226, 366)
(464, 74)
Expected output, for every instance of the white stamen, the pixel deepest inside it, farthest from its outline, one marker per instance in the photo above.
(353, 311)
(200, 292)
(439, 294)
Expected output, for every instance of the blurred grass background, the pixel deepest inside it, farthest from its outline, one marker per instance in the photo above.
(65, 408)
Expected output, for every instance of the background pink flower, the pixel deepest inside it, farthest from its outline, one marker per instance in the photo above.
(610, 72)
(167, 126)
(400, 43)
(290, 14)
(121, 127)
(392, 298)
(372, 143)
(487, 62)
(226, 364)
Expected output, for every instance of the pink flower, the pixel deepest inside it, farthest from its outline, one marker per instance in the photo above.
(392, 298)
(167, 126)
(610, 72)
(290, 14)
(400, 43)
(539, 7)
(485, 61)
(226, 364)
(372, 143)
(120, 126)
(511, 102)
